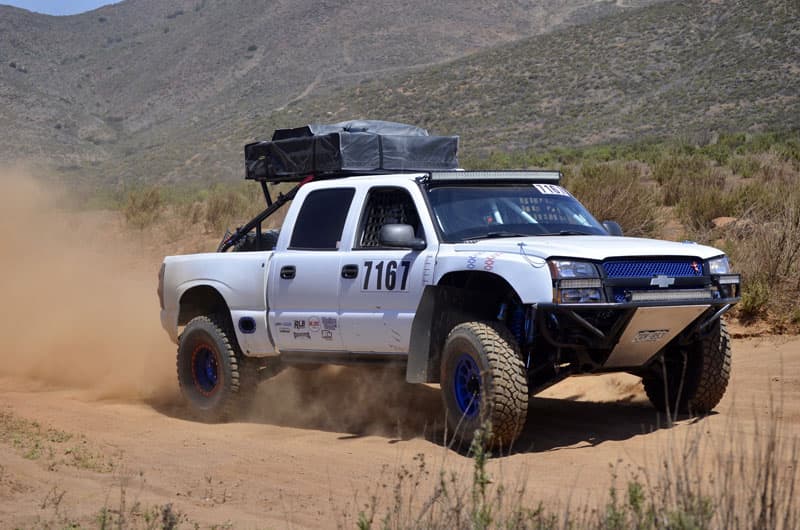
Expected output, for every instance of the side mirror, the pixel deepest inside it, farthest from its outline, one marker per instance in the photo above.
(613, 228)
(401, 236)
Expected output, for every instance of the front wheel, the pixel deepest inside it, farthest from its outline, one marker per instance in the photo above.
(213, 375)
(483, 382)
(692, 378)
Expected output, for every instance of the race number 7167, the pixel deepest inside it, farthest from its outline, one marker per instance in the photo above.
(385, 275)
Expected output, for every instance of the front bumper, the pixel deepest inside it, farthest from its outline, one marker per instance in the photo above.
(627, 335)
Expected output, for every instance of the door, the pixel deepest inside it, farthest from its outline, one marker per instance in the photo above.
(380, 296)
(303, 288)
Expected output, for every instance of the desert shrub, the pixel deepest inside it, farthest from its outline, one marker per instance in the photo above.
(143, 207)
(755, 299)
(672, 172)
(704, 198)
(616, 192)
(696, 188)
(744, 166)
(222, 208)
(764, 246)
(724, 146)
(228, 204)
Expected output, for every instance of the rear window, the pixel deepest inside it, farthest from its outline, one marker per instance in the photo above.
(320, 223)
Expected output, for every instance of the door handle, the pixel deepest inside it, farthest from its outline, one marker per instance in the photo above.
(288, 272)
(349, 271)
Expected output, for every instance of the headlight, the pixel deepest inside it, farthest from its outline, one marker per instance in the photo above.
(576, 282)
(561, 269)
(719, 265)
(727, 285)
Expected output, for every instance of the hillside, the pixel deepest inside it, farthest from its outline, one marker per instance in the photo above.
(163, 80)
(685, 68)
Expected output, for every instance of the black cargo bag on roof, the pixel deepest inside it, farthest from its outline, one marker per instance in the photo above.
(354, 147)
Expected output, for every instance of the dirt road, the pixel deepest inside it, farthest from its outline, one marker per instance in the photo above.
(90, 416)
(320, 444)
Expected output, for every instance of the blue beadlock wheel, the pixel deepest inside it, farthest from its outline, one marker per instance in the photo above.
(215, 379)
(484, 383)
(205, 369)
(467, 385)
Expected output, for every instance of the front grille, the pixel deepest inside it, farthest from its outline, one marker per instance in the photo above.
(648, 269)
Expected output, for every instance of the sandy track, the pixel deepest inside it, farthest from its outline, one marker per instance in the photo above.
(300, 461)
(89, 407)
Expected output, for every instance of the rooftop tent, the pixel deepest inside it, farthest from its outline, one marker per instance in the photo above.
(347, 148)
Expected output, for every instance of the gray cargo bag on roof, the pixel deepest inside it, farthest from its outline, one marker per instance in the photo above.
(352, 147)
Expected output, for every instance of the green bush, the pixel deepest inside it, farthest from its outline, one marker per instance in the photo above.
(755, 299)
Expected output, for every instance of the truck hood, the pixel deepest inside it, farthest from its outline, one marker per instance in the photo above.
(595, 248)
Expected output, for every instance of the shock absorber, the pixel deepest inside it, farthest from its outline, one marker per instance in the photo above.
(516, 323)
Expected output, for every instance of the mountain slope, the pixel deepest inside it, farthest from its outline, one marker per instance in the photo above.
(125, 78)
(676, 68)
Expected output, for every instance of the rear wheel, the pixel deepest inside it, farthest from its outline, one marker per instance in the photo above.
(693, 377)
(214, 377)
(483, 382)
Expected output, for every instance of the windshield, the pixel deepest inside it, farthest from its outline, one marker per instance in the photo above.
(465, 213)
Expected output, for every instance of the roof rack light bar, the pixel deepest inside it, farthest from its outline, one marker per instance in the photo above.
(550, 177)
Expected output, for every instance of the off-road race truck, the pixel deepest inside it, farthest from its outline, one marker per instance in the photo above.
(493, 284)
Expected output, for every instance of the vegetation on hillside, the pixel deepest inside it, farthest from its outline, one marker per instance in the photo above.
(679, 67)
(133, 90)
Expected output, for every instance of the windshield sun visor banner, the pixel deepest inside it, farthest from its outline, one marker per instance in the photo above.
(350, 148)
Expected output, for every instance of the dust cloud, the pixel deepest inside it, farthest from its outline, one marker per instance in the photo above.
(80, 310)
(360, 400)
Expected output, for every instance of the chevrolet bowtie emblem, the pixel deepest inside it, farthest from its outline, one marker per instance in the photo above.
(662, 281)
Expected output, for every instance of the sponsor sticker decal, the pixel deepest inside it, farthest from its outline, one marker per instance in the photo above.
(650, 335)
(302, 335)
(314, 324)
(327, 334)
(551, 189)
(329, 323)
(299, 324)
(488, 262)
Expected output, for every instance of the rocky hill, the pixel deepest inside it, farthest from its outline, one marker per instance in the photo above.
(90, 91)
(681, 68)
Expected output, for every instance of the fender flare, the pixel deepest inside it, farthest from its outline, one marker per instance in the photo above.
(441, 308)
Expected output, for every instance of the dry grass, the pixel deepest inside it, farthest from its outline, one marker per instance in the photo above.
(143, 207)
(615, 191)
(53, 447)
(751, 484)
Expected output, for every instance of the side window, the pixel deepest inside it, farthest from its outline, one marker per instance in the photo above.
(386, 206)
(321, 219)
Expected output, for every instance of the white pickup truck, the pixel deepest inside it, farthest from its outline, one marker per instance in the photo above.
(493, 284)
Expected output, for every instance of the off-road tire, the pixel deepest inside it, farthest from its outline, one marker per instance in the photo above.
(218, 388)
(490, 350)
(701, 380)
